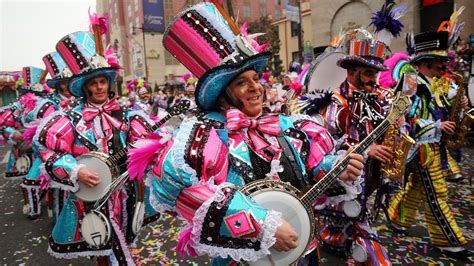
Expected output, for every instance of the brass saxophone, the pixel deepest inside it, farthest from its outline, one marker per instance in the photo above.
(401, 145)
(457, 140)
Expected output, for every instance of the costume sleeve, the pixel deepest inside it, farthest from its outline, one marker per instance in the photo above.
(188, 177)
(425, 129)
(322, 159)
(140, 125)
(335, 115)
(55, 138)
(8, 124)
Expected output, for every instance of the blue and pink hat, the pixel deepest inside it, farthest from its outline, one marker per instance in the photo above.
(57, 69)
(209, 44)
(85, 61)
(33, 79)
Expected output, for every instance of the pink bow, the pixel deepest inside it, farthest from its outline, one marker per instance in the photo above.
(270, 124)
(105, 114)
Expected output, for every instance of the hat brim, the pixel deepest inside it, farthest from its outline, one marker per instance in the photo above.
(77, 82)
(52, 83)
(350, 61)
(428, 56)
(215, 80)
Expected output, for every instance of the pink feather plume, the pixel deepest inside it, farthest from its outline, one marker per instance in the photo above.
(296, 88)
(386, 77)
(112, 58)
(252, 38)
(28, 101)
(142, 154)
(100, 21)
(184, 243)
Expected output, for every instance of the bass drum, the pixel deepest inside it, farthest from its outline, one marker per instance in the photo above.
(95, 229)
(325, 75)
(23, 164)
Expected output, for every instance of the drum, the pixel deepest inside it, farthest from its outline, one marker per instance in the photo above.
(96, 162)
(324, 74)
(470, 90)
(95, 229)
(359, 253)
(23, 164)
(351, 208)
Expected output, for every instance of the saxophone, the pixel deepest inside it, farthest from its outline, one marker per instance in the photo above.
(457, 140)
(401, 145)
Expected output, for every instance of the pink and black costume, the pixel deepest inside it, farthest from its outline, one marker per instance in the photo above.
(65, 135)
(197, 173)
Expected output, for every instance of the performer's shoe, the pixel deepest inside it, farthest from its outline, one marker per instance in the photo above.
(26, 209)
(456, 252)
(455, 178)
(50, 213)
(33, 217)
(398, 228)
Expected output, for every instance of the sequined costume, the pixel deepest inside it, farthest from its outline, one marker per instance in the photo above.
(351, 116)
(428, 168)
(62, 137)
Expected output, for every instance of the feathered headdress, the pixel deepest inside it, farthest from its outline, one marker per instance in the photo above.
(452, 26)
(387, 21)
(98, 26)
(252, 38)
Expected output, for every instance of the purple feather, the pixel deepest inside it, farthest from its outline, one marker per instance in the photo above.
(315, 101)
(387, 18)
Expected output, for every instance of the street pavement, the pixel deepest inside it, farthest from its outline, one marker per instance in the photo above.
(24, 242)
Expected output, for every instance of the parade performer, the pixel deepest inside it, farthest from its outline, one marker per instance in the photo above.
(61, 96)
(355, 110)
(99, 124)
(232, 145)
(427, 168)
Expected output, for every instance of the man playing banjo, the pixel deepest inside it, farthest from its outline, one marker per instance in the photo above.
(197, 173)
(91, 228)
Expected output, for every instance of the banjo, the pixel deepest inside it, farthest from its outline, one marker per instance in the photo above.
(295, 206)
(95, 226)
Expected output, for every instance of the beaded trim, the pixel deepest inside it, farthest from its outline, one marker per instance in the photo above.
(71, 46)
(208, 32)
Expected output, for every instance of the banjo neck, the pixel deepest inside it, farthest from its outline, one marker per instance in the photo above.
(176, 110)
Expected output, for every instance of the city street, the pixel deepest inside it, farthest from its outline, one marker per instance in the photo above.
(25, 241)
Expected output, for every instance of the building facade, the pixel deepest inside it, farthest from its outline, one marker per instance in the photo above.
(127, 38)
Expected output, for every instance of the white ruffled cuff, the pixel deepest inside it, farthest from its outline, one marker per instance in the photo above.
(10, 138)
(271, 223)
(73, 177)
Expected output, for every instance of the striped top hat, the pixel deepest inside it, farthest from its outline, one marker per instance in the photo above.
(210, 45)
(33, 79)
(429, 45)
(85, 60)
(57, 69)
(363, 50)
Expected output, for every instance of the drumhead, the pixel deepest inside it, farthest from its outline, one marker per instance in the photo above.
(95, 229)
(325, 75)
(359, 253)
(95, 164)
(23, 164)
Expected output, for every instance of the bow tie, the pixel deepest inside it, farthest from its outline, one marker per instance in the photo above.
(366, 110)
(64, 103)
(104, 112)
(269, 124)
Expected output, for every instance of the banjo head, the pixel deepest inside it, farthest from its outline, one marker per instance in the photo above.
(95, 163)
(95, 229)
(23, 164)
(282, 198)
